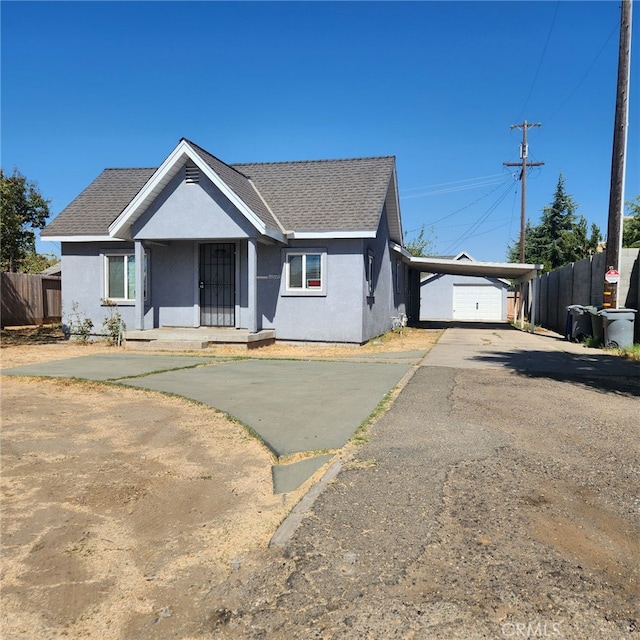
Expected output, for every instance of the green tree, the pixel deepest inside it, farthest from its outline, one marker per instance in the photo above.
(419, 246)
(22, 210)
(631, 226)
(37, 262)
(561, 237)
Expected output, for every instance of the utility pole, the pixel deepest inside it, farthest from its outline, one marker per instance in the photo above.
(618, 161)
(524, 152)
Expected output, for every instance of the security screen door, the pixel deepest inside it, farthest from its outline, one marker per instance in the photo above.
(218, 285)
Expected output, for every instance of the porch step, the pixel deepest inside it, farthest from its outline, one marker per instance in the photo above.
(188, 339)
(167, 345)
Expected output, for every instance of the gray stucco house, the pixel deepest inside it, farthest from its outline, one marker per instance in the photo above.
(462, 297)
(311, 249)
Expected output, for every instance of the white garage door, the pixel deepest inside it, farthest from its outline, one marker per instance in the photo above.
(477, 302)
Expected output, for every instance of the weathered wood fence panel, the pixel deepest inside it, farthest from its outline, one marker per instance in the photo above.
(30, 299)
(583, 283)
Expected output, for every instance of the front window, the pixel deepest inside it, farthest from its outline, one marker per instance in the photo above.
(120, 277)
(304, 271)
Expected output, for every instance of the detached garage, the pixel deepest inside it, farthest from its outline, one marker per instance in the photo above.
(479, 301)
(463, 297)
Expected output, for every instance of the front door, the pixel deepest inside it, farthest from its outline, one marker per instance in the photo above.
(218, 285)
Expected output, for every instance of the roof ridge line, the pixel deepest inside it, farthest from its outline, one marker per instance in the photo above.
(266, 204)
(240, 164)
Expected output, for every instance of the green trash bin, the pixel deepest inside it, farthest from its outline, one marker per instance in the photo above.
(618, 327)
(597, 330)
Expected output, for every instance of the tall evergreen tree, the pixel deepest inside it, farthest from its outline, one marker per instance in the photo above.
(561, 237)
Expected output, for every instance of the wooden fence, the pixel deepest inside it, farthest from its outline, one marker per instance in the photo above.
(583, 283)
(30, 299)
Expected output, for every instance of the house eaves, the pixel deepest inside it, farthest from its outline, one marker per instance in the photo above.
(121, 226)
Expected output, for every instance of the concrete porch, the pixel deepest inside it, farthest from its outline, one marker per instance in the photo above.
(190, 338)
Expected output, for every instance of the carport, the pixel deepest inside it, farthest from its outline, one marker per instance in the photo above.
(521, 274)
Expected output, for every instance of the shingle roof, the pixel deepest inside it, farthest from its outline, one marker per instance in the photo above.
(304, 196)
(240, 185)
(324, 195)
(99, 204)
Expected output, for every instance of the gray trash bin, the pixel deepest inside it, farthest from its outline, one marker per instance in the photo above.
(597, 330)
(618, 327)
(578, 323)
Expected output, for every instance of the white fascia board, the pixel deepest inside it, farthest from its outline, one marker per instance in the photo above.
(329, 235)
(401, 250)
(275, 234)
(182, 151)
(80, 239)
(128, 214)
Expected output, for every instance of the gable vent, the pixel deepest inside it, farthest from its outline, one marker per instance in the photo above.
(192, 174)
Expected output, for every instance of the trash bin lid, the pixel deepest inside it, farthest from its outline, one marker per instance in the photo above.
(606, 313)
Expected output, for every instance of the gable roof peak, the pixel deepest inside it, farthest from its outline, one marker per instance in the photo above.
(203, 152)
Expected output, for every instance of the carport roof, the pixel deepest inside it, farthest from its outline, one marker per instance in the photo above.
(509, 270)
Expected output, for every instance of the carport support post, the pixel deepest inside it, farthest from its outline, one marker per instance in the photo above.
(533, 290)
(139, 275)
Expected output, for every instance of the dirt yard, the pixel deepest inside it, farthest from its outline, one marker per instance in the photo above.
(118, 504)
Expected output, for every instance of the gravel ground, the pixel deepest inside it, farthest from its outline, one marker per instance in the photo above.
(510, 509)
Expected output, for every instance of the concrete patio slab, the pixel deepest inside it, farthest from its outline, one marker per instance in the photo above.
(288, 477)
(106, 366)
(294, 405)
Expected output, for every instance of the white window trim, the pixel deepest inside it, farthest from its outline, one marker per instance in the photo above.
(126, 253)
(301, 291)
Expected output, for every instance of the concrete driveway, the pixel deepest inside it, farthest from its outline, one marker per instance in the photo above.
(501, 346)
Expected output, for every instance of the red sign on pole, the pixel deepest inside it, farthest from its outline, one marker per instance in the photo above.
(612, 276)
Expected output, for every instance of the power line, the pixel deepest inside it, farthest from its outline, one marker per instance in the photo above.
(444, 184)
(584, 77)
(480, 221)
(477, 185)
(453, 213)
(544, 51)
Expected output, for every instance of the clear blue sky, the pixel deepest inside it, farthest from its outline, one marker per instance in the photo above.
(89, 85)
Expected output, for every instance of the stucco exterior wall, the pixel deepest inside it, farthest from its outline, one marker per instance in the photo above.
(173, 280)
(385, 303)
(191, 211)
(335, 316)
(83, 283)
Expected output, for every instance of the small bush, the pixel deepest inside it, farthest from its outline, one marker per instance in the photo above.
(113, 324)
(79, 325)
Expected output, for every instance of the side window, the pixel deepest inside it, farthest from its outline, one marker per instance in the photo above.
(371, 269)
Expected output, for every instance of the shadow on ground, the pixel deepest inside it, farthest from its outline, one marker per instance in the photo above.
(605, 373)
